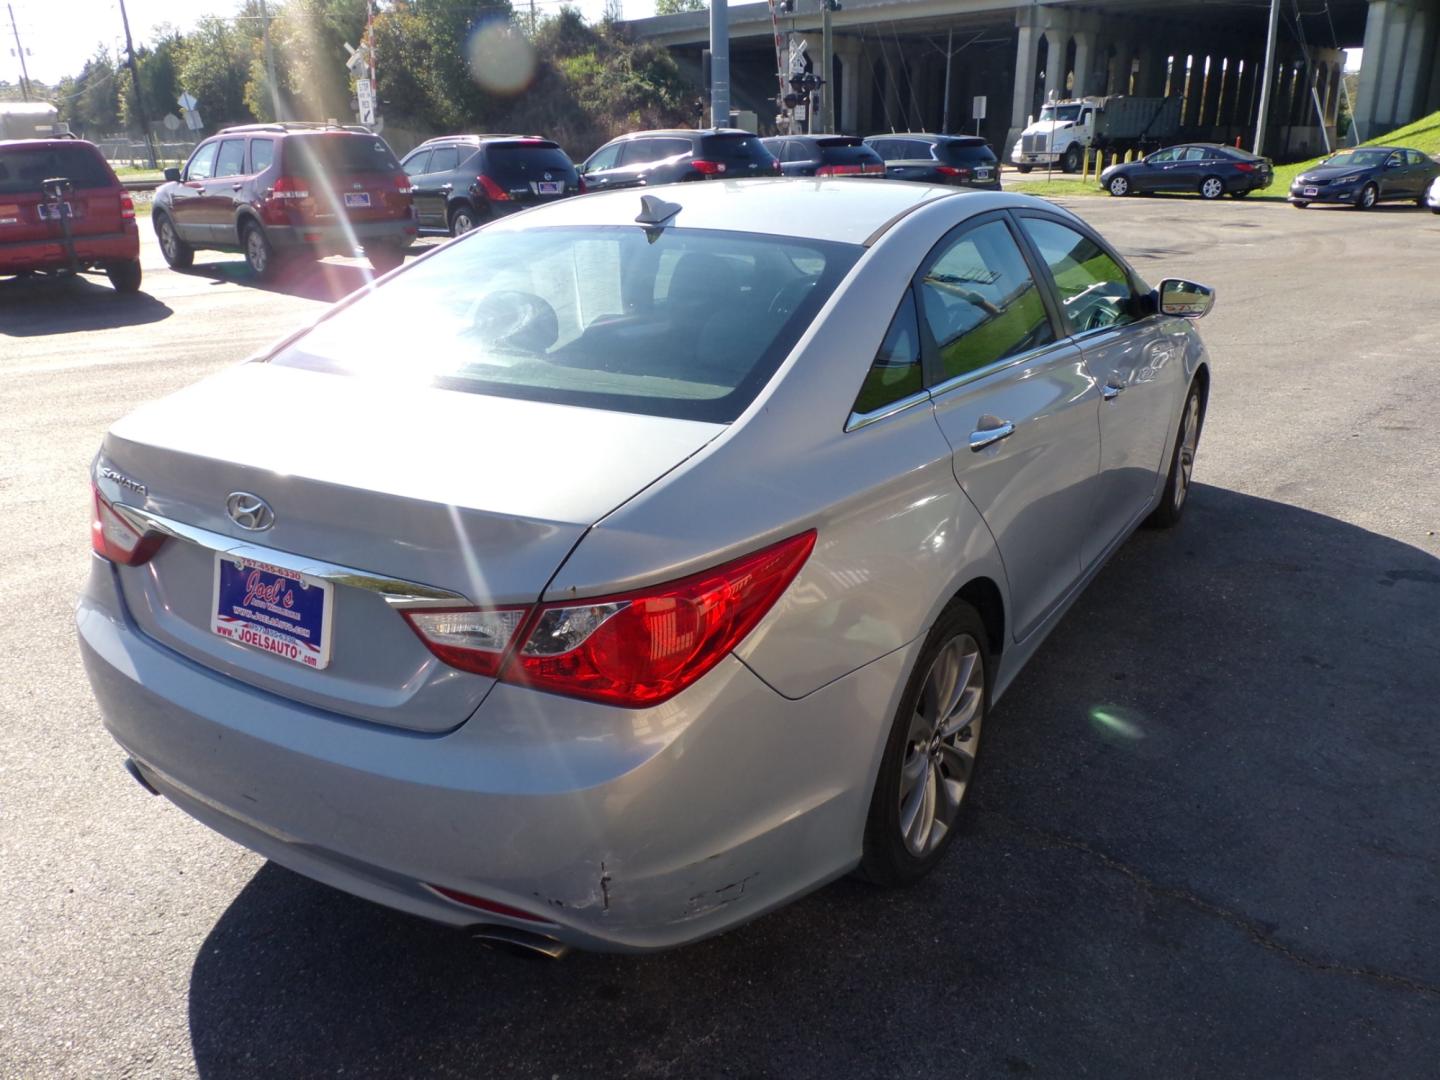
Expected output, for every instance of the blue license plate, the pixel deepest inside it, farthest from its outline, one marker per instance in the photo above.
(276, 611)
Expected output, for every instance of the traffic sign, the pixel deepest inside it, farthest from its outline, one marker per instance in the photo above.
(186, 101)
(977, 109)
(365, 101)
(171, 122)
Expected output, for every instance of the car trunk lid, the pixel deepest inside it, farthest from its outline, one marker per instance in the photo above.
(466, 494)
(28, 215)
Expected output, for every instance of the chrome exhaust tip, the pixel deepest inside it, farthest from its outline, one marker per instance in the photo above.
(519, 942)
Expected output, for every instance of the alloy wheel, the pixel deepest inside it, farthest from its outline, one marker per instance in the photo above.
(1119, 185)
(461, 223)
(257, 253)
(1189, 441)
(939, 756)
(1368, 197)
(1212, 188)
(168, 241)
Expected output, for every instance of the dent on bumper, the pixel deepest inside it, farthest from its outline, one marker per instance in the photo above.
(628, 830)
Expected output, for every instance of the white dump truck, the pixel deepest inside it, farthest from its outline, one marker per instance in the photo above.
(30, 120)
(1065, 128)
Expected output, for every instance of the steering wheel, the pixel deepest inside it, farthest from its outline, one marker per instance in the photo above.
(516, 321)
(791, 296)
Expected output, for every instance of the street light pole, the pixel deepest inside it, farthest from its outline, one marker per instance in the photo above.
(20, 52)
(135, 85)
(1267, 77)
(719, 64)
(270, 64)
(827, 69)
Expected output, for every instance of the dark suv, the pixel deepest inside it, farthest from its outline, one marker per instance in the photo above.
(668, 157)
(964, 160)
(277, 190)
(461, 181)
(62, 209)
(825, 155)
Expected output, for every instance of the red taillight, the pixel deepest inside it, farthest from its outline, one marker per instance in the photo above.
(493, 190)
(115, 538)
(402, 184)
(641, 648)
(480, 903)
(290, 187)
(580, 183)
(127, 206)
(472, 639)
(1244, 166)
(839, 170)
(951, 170)
(775, 168)
(708, 168)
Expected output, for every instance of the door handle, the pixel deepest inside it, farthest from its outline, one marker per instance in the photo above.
(236, 187)
(447, 187)
(1110, 391)
(987, 436)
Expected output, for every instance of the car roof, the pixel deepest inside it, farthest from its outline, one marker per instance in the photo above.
(681, 133)
(927, 135)
(476, 140)
(30, 144)
(836, 209)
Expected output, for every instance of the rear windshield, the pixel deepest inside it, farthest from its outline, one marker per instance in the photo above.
(847, 152)
(965, 154)
(512, 162)
(23, 169)
(333, 153)
(684, 323)
(744, 148)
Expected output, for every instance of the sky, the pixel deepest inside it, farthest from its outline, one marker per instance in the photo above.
(60, 35)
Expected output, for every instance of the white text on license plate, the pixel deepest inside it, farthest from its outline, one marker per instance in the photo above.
(1312, 191)
(357, 198)
(549, 187)
(274, 610)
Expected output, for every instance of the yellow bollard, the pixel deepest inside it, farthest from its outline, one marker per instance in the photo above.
(1085, 165)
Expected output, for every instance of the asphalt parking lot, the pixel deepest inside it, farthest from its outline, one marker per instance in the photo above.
(1205, 840)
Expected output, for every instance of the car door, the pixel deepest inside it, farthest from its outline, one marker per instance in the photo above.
(434, 187)
(1417, 175)
(224, 188)
(416, 164)
(1394, 177)
(599, 167)
(187, 198)
(1153, 173)
(1130, 354)
(1017, 406)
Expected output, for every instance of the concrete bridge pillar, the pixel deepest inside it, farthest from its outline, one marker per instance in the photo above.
(847, 111)
(1084, 60)
(1027, 61)
(1400, 44)
(1057, 49)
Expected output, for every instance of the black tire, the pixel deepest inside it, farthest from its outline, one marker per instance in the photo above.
(1071, 162)
(463, 218)
(887, 860)
(1176, 495)
(1299, 204)
(1022, 169)
(1119, 186)
(1368, 197)
(259, 255)
(386, 257)
(125, 276)
(1211, 188)
(1241, 193)
(178, 254)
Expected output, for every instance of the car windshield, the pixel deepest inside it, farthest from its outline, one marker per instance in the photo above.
(676, 322)
(23, 169)
(1060, 112)
(338, 154)
(1364, 159)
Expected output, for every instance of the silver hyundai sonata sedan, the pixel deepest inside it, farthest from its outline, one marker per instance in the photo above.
(632, 566)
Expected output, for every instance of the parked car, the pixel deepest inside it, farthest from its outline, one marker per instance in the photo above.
(1432, 195)
(461, 181)
(277, 191)
(824, 155)
(963, 160)
(796, 486)
(85, 221)
(1209, 169)
(1365, 176)
(668, 157)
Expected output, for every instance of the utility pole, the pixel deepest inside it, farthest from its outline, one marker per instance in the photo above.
(827, 67)
(949, 56)
(1267, 77)
(135, 84)
(270, 64)
(719, 64)
(20, 52)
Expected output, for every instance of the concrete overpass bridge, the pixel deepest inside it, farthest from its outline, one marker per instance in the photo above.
(891, 57)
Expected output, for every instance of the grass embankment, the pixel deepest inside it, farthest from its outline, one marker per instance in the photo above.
(1422, 135)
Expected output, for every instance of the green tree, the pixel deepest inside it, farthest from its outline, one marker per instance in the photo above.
(214, 68)
(674, 7)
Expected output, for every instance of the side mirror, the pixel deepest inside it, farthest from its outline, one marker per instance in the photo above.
(581, 169)
(1184, 299)
(172, 175)
(1393, 164)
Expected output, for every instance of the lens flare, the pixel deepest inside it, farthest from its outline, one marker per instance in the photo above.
(501, 59)
(1116, 720)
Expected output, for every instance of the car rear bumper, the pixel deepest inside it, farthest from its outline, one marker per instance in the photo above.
(341, 239)
(620, 830)
(51, 254)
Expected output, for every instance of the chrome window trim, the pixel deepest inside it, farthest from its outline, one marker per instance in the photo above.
(860, 420)
(396, 591)
(955, 381)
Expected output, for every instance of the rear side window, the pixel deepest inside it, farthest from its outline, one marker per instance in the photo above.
(980, 301)
(519, 162)
(338, 154)
(734, 148)
(1095, 291)
(444, 158)
(968, 154)
(642, 151)
(262, 153)
(897, 371)
(687, 323)
(24, 168)
(231, 159)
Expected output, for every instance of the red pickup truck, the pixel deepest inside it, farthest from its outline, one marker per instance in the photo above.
(62, 208)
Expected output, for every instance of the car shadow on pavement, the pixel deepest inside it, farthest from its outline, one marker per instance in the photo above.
(309, 279)
(1203, 842)
(35, 306)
